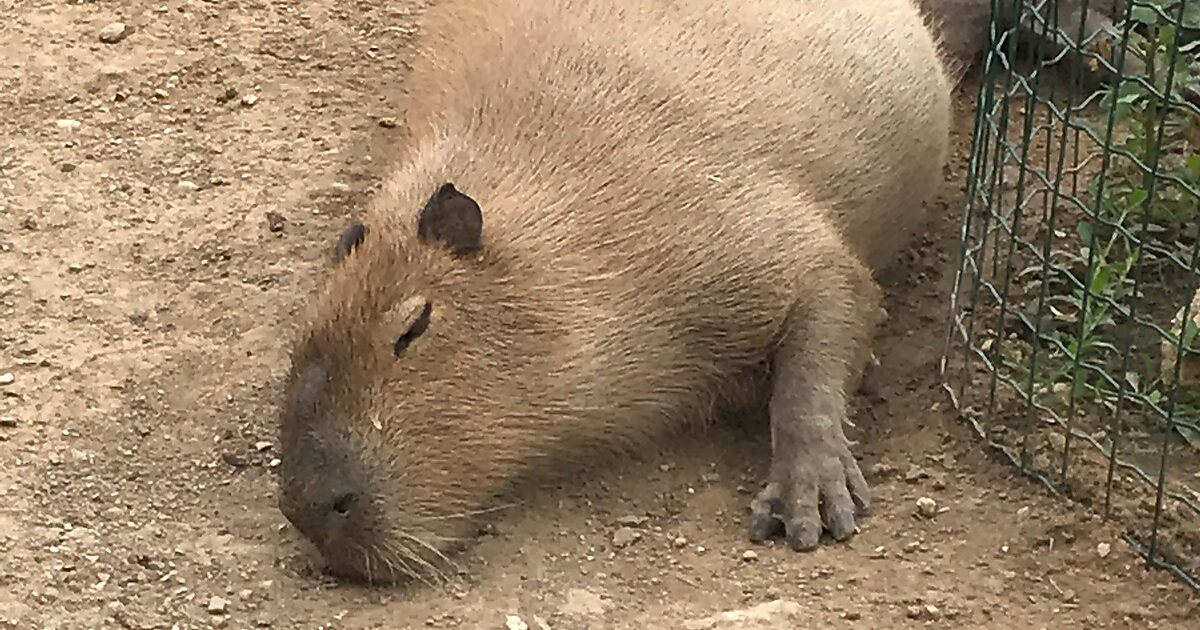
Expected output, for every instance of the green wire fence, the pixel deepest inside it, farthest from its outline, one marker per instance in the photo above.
(1072, 340)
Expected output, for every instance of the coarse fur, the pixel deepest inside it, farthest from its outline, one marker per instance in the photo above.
(682, 204)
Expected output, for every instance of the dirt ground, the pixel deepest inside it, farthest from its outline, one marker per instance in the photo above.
(147, 302)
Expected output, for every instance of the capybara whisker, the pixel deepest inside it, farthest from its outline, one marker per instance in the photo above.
(472, 513)
(367, 565)
(438, 555)
(395, 560)
(414, 565)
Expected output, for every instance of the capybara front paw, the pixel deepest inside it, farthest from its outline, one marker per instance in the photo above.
(817, 493)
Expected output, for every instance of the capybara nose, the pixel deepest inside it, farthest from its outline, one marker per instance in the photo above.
(343, 504)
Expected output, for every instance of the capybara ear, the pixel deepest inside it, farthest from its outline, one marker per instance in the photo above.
(452, 220)
(351, 238)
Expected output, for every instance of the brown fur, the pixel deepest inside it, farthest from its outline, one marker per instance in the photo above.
(682, 204)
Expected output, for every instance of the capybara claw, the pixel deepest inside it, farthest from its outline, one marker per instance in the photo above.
(821, 495)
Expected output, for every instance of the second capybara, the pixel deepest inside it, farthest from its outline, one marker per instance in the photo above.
(612, 219)
(1073, 33)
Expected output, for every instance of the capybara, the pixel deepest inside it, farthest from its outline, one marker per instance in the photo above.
(962, 29)
(612, 219)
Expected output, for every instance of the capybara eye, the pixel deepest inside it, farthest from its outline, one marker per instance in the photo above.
(416, 330)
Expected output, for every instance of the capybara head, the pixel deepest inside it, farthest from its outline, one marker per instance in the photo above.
(391, 429)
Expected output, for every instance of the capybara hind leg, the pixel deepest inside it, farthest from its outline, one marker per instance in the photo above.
(815, 483)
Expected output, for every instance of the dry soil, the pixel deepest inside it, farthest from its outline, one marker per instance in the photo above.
(148, 295)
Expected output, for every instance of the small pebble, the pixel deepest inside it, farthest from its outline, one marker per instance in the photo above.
(262, 446)
(927, 507)
(681, 542)
(625, 536)
(387, 123)
(750, 556)
(8, 421)
(249, 100)
(275, 221)
(928, 611)
(883, 469)
(914, 612)
(217, 605)
(1103, 549)
(67, 123)
(632, 521)
(113, 33)
(915, 474)
(513, 622)
(7, 378)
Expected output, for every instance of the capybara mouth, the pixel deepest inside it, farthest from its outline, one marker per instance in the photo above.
(403, 559)
(362, 567)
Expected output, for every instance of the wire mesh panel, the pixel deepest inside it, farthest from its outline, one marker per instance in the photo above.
(1072, 341)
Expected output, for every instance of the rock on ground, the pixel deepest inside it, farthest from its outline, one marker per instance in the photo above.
(776, 614)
